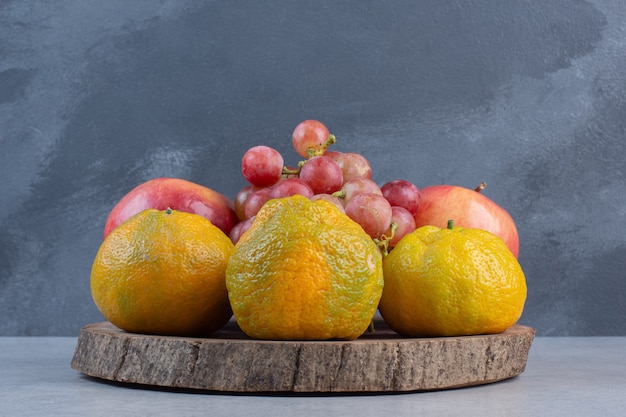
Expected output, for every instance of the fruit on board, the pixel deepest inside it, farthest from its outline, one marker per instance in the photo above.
(352, 164)
(468, 208)
(310, 138)
(344, 178)
(322, 174)
(304, 271)
(177, 194)
(163, 272)
(451, 282)
(373, 212)
(402, 193)
(309, 243)
(262, 165)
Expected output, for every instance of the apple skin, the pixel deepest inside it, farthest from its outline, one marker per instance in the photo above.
(177, 194)
(467, 208)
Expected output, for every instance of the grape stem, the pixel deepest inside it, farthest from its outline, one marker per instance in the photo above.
(383, 241)
(318, 152)
(289, 171)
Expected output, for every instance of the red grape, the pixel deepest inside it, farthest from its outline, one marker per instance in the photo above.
(371, 211)
(255, 201)
(289, 187)
(262, 166)
(331, 199)
(353, 165)
(402, 193)
(240, 228)
(405, 224)
(322, 174)
(240, 200)
(310, 137)
(358, 186)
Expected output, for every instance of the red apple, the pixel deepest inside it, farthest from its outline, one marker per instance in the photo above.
(467, 208)
(177, 194)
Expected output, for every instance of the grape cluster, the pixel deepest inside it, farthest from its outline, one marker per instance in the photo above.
(386, 213)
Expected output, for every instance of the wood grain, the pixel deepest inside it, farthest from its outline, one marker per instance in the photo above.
(229, 361)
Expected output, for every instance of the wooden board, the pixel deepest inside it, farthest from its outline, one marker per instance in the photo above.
(229, 361)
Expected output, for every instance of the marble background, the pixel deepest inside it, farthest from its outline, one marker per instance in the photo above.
(528, 96)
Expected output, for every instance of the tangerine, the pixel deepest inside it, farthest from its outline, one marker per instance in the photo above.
(163, 272)
(304, 271)
(451, 282)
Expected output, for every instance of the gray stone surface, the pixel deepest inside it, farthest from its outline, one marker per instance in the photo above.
(96, 97)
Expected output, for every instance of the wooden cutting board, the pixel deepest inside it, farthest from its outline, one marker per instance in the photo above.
(229, 361)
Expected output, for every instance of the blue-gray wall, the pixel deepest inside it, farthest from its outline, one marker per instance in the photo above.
(529, 96)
